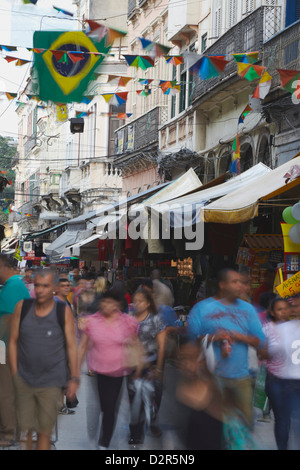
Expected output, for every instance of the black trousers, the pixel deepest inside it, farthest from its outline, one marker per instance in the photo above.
(137, 430)
(109, 389)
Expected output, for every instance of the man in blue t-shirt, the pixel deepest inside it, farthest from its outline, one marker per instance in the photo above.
(233, 325)
(12, 292)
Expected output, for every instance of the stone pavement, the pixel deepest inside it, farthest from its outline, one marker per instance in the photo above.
(72, 430)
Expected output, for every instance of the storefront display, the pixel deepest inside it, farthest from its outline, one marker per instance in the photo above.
(258, 253)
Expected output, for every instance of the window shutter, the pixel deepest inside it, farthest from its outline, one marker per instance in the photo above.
(218, 22)
(232, 13)
(297, 8)
(249, 6)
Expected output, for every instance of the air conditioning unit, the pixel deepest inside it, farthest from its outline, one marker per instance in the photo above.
(45, 246)
(27, 246)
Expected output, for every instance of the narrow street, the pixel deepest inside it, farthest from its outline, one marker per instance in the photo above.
(73, 435)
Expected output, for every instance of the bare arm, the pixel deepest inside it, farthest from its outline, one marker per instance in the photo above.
(161, 341)
(247, 339)
(71, 351)
(82, 351)
(14, 337)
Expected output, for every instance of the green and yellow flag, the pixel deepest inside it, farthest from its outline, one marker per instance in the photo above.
(60, 78)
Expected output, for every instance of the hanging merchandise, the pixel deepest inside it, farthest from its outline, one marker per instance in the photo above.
(139, 61)
(288, 216)
(291, 216)
(209, 66)
(296, 211)
(294, 233)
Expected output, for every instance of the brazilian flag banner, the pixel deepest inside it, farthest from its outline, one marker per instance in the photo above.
(62, 73)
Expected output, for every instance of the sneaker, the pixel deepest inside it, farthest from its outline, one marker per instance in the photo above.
(65, 411)
(155, 430)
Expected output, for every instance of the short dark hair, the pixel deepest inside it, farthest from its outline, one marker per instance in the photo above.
(64, 279)
(111, 294)
(274, 302)
(223, 274)
(149, 298)
(8, 261)
(147, 283)
(43, 272)
(265, 299)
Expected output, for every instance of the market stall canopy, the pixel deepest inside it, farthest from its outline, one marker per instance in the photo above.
(106, 227)
(184, 210)
(69, 237)
(74, 250)
(183, 185)
(242, 204)
(6, 246)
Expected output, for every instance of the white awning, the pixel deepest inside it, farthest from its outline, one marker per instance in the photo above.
(67, 238)
(242, 204)
(7, 244)
(74, 250)
(183, 185)
(182, 211)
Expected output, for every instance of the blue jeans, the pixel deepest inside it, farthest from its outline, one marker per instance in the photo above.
(284, 396)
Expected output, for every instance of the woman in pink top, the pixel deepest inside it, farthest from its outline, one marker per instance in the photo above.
(104, 339)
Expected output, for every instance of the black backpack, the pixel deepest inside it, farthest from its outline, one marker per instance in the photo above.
(60, 312)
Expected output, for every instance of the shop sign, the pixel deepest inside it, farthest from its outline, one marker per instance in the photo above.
(290, 287)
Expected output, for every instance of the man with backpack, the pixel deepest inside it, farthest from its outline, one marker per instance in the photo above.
(43, 359)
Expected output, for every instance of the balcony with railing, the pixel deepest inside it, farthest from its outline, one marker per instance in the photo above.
(132, 6)
(27, 211)
(248, 35)
(139, 133)
(282, 52)
(30, 144)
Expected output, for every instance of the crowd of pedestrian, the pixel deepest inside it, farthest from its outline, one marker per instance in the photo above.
(51, 322)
